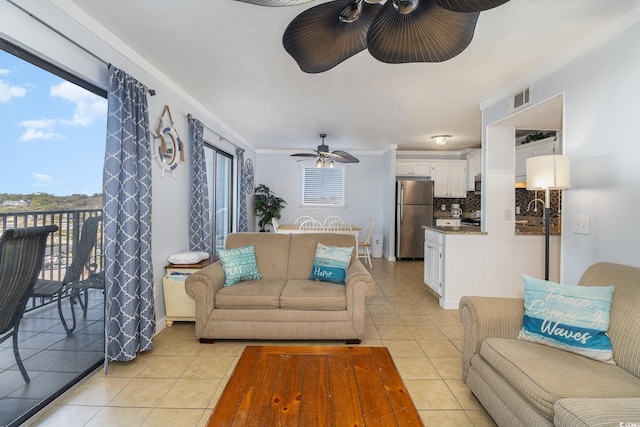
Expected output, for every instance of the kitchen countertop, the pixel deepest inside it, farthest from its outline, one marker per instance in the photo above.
(462, 229)
(535, 230)
(531, 226)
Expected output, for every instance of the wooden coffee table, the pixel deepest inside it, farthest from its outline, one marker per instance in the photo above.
(315, 386)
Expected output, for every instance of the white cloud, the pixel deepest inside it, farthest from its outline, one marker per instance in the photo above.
(7, 92)
(71, 92)
(38, 124)
(39, 129)
(42, 179)
(4, 71)
(31, 134)
(87, 112)
(89, 107)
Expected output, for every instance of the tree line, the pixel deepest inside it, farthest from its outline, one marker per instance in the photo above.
(48, 202)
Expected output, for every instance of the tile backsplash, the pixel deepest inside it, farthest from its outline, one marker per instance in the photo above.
(469, 205)
(524, 200)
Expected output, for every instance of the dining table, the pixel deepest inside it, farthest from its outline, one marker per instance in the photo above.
(295, 229)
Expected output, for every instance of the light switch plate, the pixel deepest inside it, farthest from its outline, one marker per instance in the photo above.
(582, 224)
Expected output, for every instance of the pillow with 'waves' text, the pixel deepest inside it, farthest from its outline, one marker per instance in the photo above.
(568, 317)
(239, 264)
(330, 263)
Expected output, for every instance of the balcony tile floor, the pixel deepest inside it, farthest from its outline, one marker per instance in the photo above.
(178, 382)
(52, 359)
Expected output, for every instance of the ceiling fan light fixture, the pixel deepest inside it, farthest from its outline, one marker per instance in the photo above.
(352, 12)
(322, 154)
(405, 6)
(441, 139)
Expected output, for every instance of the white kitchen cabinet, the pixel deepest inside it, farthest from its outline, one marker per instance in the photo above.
(418, 168)
(434, 260)
(544, 147)
(474, 167)
(447, 222)
(449, 178)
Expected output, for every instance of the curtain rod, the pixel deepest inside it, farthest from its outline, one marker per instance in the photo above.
(222, 138)
(152, 92)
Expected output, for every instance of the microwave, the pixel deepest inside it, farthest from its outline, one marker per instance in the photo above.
(477, 184)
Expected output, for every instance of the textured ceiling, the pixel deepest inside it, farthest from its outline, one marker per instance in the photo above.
(229, 56)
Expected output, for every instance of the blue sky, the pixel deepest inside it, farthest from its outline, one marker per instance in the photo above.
(52, 132)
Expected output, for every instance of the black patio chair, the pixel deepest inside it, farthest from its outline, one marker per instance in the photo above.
(21, 256)
(80, 276)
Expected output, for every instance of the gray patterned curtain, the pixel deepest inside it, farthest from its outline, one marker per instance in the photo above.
(242, 192)
(130, 321)
(199, 219)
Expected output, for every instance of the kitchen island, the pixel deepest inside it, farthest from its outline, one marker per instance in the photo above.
(465, 260)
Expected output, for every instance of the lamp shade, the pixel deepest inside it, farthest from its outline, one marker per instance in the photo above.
(548, 172)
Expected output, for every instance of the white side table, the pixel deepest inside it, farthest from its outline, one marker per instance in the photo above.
(179, 306)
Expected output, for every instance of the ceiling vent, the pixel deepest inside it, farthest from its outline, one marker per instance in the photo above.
(520, 98)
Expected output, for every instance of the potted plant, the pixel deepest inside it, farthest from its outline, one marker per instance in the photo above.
(266, 205)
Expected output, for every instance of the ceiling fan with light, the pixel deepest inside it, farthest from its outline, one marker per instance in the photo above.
(394, 31)
(323, 155)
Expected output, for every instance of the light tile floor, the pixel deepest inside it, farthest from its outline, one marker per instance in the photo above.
(178, 383)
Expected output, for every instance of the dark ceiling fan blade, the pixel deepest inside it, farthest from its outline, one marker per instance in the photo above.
(276, 3)
(469, 5)
(344, 157)
(304, 155)
(318, 40)
(427, 34)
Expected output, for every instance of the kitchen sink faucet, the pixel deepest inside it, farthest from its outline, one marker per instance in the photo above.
(535, 206)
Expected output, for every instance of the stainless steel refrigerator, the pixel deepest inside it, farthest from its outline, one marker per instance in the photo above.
(414, 208)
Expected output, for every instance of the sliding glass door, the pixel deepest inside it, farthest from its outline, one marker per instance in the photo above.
(220, 173)
(53, 141)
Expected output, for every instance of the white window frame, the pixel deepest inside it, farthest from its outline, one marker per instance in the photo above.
(315, 194)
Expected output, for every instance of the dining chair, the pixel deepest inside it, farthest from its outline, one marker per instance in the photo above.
(302, 219)
(274, 223)
(21, 256)
(364, 244)
(337, 226)
(340, 226)
(80, 276)
(328, 220)
(311, 225)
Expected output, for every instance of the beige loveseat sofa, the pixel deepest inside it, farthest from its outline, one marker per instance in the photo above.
(284, 304)
(526, 384)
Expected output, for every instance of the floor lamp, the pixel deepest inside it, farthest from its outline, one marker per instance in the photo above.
(547, 173)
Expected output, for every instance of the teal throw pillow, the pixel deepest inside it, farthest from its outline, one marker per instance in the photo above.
(239, 264)
(568, 317)
(330, 263)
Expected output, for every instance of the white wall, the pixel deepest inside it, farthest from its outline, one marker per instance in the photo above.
(170, 195)
(601, 89)
(365, 188)
(389, 204)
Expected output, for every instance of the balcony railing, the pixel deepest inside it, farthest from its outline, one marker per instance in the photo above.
(59, 250)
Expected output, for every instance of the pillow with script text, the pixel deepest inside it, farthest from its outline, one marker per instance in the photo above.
(569, 317)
